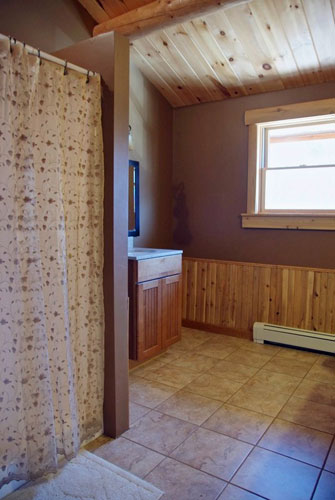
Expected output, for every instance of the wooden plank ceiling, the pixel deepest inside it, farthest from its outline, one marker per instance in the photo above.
(252, 47)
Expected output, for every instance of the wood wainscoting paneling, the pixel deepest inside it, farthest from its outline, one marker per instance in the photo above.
(224, 296)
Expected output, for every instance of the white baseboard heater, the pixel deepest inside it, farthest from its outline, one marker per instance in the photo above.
(295, 337)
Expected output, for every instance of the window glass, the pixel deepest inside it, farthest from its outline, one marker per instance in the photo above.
(302, 145)
(300, 189)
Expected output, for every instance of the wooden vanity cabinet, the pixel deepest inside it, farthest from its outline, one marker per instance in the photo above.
(148, 336)
(171, 310)
(154, 305)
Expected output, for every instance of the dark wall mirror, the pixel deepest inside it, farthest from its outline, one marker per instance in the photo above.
(134, 199)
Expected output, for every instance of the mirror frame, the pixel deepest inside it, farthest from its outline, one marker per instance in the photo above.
(136, 166)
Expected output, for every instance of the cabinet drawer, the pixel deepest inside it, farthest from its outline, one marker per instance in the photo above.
(159, 267)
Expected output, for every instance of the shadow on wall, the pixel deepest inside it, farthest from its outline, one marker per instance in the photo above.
(182, 234)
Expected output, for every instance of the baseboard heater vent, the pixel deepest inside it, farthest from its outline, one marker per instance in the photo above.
(295, 337)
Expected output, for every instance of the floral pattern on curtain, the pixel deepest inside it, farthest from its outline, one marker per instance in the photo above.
(51, 260)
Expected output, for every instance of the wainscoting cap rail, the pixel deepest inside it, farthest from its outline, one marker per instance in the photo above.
(260, 264)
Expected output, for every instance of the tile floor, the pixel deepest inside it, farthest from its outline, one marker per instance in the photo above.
(221, 418)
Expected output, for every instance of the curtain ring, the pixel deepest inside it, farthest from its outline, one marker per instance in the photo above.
(65, 68)
(39, 55)
(88, 76)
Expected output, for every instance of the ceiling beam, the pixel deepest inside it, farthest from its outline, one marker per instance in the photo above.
(159, 14)
(95, 10)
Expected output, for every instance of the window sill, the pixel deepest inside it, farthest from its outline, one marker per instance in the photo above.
(289, 221)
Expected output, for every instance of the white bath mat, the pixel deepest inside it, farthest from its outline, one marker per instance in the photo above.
(88, 477)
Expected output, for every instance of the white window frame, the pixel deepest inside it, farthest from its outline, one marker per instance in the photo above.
(258, 122)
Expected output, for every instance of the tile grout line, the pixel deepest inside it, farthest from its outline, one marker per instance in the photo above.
(273, 419)
(292, 395)
(322, 469)
(325, 460)
(213, 475)
(243, 489)
(227, 401)
(287, 456)
(180, 462)
(200, 426)
(243, 384)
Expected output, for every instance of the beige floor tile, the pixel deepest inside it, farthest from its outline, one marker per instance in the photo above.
(234, 371)
(147, 393)
(96, 443)
(296, 441)
(194, 362)
(323, 370)
(314, 415)
(298, 355)
(130, 456)
(170, 375)
(258, 399)
(219, 337)
(230, 341)
(213, 387)
(238, 423)
(141, 370)
(136, 411)
(249, 358)
(186, 345)
(232, 492)
(168, 356)
(237, 340)
(197, 334)
(330, 463)
(325, 489)
(211, 452)
(179, 348)
(278, 382)
(159, 432)
(268, 349)
(276, 477)
(216, 350)
(132, 363)
(133, 378)
(181, 482)
(190, 407)
(288, 366)
(326, 361)
(316, 391)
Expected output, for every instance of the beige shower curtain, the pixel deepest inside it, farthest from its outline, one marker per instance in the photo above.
(51, 258)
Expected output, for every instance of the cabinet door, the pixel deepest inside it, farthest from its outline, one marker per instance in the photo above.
(149, 319)
(171, 309)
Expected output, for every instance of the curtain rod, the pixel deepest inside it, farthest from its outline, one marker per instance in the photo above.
(48, 57)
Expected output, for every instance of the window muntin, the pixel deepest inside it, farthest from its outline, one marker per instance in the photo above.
(297, 167)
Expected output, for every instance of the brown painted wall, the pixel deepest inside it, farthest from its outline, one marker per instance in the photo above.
(151, 119)
(210, 181)
(46, 24)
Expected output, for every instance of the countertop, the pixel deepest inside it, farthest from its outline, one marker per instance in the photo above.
(136, 253)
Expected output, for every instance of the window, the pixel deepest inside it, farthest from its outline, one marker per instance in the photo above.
(298, 167)
(291, 172)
